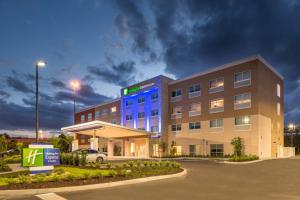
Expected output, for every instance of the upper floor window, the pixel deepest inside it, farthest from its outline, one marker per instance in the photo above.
(97, 114)
(242, 101)
(141, 100)
(154, 96)
(176, 95)
(278, 90)
(242, 79)
(105, 112)
(90, 117)
(216, 105)
(177, 112)
(195, 109)
(82, 118)
(242, 120)
(216, 85)
(128, 117)
(194, 125)
(216, 123)
(141, 115)
(154, 112)
(128, 102)
(194, 91)
(176, 127)
(113, 109)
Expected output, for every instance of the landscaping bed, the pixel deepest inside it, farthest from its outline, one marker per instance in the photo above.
(64, 176)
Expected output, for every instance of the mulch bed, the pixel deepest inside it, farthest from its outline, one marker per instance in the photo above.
(74, 182)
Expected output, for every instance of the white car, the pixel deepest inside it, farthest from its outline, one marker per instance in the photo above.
(92, 155)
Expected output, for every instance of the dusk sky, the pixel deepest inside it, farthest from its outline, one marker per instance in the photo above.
(111, 44)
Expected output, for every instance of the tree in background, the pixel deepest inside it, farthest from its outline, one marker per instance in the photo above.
(173, 149)
(238, 146)
(163, 147)
(63, 142)
(3, 143)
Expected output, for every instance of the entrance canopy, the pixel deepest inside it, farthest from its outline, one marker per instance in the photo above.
(105, 130)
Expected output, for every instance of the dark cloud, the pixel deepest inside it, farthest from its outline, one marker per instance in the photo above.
(121, 74)
(4, 94)
(18, 85)
(58, 84)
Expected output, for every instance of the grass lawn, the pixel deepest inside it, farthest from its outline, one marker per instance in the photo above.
(77, 172)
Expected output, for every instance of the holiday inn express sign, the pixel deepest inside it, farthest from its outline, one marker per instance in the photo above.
(128, 91)
(37, 157)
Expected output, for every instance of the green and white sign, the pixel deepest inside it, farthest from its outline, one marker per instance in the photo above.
(128, 91)
(33, 157)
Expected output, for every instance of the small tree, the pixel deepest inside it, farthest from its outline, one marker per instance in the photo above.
(173, 149)
(63, 143)
(3, 143)
(238, 146)
(163, 146)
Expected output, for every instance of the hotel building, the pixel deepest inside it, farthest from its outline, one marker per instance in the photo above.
(200, 114)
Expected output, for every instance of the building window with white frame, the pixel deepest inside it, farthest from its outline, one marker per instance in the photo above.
(141, 115)
(129, 103)
(243, 120)
(194, 91)
(90, 117)
(97, 114)
(242, 101)
(195, 109)
(154, 129)
(176, 95)
(154, 96)
(216, 85)
(216, 105)
(128, 117)
(278, 90)
(278, 109)
(113, 109)
(216, 150)
(216, 123)
(194, 125)
(242, 79)
(154, 113)
(82, 118)
(176, 127)
(105, 112)
(141, 100)
(177, 112)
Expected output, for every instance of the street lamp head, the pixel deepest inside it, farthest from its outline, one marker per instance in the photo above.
(291, 126)
(75, 84)
(41, 63)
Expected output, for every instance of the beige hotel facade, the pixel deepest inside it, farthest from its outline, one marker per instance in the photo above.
(200, 114)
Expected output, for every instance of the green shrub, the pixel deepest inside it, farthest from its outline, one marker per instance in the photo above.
(3, 166)
(98, 174)
(10, 181)
(54, 178)
(243, 158)
(23, 179)
(87, 175)
(39, 178)
(59, 171)
(131, 164)
(112, 173)
(68, 177)
(125, 172)
(124, 165)
(146, 164)
(82, 159)
(13, 159)
(108, 165)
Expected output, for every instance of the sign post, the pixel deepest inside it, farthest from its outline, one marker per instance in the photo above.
(40, 158)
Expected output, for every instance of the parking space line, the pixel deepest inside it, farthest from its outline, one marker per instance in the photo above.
(50, 196)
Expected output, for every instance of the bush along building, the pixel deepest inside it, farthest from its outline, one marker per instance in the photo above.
(195, 115)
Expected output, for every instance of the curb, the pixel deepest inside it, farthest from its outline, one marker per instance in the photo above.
(242, 163)
(16, 193)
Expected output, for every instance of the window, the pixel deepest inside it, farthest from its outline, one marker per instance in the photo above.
(217, 150)
(242, 79)
(194, 91)
(128, 117)
(176, 95)
(82, 118)
(113, 109)
(97, 114)
(278, 109)
(141, 100)
(177, 112)
(278, 90)
(154, 129)
(113, 121)
(194, 125)
(90, 116)
(216, 85)
(216, 123)
(176, 127)
(192, 150)
(154, 112)
(242, 101)
(129, 102)
(242, 120)
(216, 105)
(104, 112)
(141, 115)
(141, 128)
(154, 96)
(194, 109)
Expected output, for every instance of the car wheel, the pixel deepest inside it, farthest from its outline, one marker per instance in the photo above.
(99, 160)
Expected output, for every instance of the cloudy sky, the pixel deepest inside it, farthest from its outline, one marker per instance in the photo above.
(110, 44)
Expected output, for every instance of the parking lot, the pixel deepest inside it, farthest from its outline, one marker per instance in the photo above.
(271, 179)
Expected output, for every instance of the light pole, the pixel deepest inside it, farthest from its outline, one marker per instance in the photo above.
(38, 64)
(75, 85)
(292, 128)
